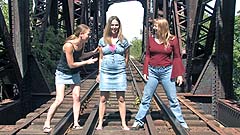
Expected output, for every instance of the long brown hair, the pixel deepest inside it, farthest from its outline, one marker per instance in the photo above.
(163, 33)
(107, 30)
(82, 28)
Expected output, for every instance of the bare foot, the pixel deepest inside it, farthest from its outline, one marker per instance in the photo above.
(125, 127)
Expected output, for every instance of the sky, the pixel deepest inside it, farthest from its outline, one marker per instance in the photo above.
(131, 16)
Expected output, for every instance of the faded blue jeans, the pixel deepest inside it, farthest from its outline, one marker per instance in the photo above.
(163, 75)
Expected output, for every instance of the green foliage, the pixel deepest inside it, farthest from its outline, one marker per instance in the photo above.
(236, 58)
(136, 48)
(4, 7)
(48, 53)
(137, 102)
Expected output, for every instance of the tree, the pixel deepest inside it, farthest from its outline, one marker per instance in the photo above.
(4, 8)
(48, 54)
(236, 57)
(136, 48)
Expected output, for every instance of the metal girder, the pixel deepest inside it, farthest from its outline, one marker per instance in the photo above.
(118, 1)
(20, 30)
(9, 69)
(178, 21)
(40, 16)
(81, 12)
(200, 42)
(209, 65)
(225, 14)
(65, 22)
(86, 12)
(52, 12)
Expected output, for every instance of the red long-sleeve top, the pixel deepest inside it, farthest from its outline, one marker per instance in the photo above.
(159, 55)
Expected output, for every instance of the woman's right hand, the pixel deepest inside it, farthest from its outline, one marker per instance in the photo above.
(98, 78)
(91, 60)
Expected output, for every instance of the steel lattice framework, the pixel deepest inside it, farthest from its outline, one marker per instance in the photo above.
(205, 35)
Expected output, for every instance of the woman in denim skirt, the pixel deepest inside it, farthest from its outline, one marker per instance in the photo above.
(113, 59)
(67, 72)
(160, 66)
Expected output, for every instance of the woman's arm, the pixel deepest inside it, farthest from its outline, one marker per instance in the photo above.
(100, 59)
(127, 56)
(147, 56)
(68, 49)
(88, 54)
(178, 68)
(99, 64)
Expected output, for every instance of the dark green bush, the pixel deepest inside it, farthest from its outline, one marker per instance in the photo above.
(48, 53)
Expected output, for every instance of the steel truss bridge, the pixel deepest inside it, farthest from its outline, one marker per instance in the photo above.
(205, 33)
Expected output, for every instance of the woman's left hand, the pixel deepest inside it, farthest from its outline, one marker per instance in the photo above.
(179, 80)
(98, 78)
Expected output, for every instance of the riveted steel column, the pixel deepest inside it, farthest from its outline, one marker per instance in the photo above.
(224, 50)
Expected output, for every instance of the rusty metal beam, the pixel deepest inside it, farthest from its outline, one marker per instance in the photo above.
(8, 45)
(225, 36)
(40, 17)
(196, 42)
(53, 17)
(67, 19)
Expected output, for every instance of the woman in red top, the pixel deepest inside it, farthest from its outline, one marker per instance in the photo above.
(159, 66)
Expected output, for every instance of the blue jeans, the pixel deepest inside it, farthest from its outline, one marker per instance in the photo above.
(163, 75)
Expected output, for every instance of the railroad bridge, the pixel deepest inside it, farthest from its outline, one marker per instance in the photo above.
(205, 32)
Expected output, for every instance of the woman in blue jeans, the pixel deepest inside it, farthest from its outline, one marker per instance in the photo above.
(163, 64)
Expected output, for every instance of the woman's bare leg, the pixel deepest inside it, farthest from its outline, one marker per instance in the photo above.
(59, 99)
(122, 108)
(76, 103)
(102, 107)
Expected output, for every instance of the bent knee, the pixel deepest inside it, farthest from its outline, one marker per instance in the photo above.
(103, 99)
(121, 100)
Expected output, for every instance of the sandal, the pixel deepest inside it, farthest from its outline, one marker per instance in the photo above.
(47, 129)
(77, 127)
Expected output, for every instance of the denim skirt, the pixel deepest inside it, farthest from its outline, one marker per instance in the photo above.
(113, 75)
(62, 78)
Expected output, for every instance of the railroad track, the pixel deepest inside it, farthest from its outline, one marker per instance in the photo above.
(34, 121)
(160, 120)
(199, 122)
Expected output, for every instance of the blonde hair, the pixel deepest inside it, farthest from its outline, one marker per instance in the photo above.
(107, 30)
(163, 33)
(82, 28)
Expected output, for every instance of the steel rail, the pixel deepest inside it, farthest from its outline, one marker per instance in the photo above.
(62, 126)
(202, 117)
(90, 124)
(28, 122)
(149, 122)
